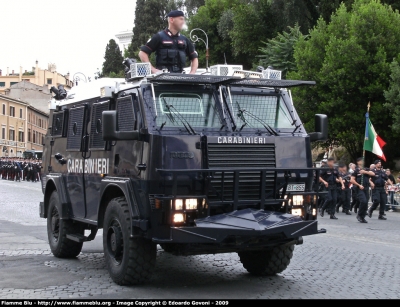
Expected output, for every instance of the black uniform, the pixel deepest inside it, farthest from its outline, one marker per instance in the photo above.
(330, 175)
(362, 195)
(346, 193)
(379, 196)
(171, 50)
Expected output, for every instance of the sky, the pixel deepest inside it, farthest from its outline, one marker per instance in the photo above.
(73, 34)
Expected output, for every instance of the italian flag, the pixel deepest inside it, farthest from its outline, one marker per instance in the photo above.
(372, 141)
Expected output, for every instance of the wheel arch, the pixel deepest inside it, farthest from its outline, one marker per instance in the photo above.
(50, 188)
(113, 189)
(54, 183)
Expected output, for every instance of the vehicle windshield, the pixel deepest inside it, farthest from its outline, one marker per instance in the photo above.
(256, 108)
(198, 108)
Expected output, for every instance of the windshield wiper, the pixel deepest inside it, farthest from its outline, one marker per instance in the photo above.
(184, 122)
(266, 125)
(241, 116)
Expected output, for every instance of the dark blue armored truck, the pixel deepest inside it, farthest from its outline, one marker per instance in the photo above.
(198, 164)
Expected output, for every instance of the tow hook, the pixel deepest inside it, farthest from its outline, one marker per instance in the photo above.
(299, 241)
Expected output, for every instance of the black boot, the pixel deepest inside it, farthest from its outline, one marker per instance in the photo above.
(337, 208)
(360, 219)
(348, 212)
(333, 217)
(369, 212)
(356, 208)
(321, 213)
(381, 217)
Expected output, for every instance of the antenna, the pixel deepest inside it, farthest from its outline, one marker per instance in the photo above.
(225, 59)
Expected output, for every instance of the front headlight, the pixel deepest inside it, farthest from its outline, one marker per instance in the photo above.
(178, 204)
(191, 204)
(297, 211)
(297, 200)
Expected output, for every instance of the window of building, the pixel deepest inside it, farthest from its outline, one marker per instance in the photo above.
(12, 111)
(49, 81)
(12, 83)
(20, 113)
(34, 136)
(20, 136)
(40, 123)
(29, 135)
(2, 84)
(12, 135)
(4, 109)
(3, 133)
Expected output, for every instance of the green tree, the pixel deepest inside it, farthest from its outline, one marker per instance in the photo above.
(112, 59)
(392, 95)
(208, 19)
(350, 59)
(327, 7)
(278, 51)
(192, 6)
(150, 18)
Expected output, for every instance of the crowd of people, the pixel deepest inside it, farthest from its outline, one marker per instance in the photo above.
(352, 187)
(19, 169)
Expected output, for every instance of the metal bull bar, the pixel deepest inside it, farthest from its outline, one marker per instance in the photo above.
(265, 199)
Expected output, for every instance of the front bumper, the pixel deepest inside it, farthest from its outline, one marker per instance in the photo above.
(247, 224)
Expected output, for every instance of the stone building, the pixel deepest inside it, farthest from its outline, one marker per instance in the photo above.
(22, 127)
(43, 77)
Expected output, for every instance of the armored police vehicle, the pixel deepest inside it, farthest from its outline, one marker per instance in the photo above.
(198, 164)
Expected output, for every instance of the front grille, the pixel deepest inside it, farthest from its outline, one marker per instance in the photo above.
(228, 156)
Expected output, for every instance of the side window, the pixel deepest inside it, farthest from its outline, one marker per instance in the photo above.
(126, 114)
(58, 127)
(96, 134)
(76, 128)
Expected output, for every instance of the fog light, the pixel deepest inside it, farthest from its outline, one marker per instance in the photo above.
(314, 211)
(178, 218)
(178, 204)
(191, 204)
(297, 212)
(297, 200)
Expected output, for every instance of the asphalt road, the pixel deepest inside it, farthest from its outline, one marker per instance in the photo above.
(351, 260)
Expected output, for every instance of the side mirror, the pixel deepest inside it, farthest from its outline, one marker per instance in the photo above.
(321, 128)
(109, 128)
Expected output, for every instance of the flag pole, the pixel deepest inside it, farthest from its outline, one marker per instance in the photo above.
(365, 136)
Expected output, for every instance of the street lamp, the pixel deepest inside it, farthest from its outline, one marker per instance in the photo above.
(77, 78)
(195, 39)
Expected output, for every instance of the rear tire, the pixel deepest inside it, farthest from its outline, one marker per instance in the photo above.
(129, 260)
(57, 230)
(267, 262)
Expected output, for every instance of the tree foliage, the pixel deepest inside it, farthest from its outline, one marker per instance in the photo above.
(392, 95)
(208, 19)
(278, 51)
(350, 59)
(112, 59)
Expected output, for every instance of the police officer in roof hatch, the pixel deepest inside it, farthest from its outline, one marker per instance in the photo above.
(171, 47)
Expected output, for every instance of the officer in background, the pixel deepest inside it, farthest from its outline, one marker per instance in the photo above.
(346, 193)
(360, 178)
(379, 197)
(171, 47)
(321, 187)
(328, 178)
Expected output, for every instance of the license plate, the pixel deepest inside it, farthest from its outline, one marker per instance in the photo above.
(296, 187)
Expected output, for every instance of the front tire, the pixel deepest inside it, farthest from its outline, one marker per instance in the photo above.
(57, 230)
(129, 260)
(267, 262)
